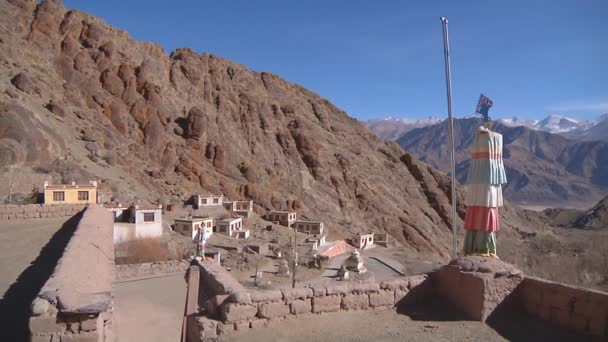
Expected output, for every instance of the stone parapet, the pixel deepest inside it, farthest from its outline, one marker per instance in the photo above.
(75, 304)
(477, 285)
(580, 309)
(11, 212)
(230, 311)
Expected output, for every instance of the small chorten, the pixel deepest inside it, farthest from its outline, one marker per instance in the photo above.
(354, 263)
(343, 273)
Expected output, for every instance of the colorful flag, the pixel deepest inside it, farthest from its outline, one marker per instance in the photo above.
(483, 106)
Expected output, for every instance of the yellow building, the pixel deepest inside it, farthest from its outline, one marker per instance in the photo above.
(70, 193)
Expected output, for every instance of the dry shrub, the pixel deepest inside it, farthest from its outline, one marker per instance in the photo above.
(140, 251)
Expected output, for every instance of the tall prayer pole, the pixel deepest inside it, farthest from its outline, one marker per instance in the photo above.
(448, 84)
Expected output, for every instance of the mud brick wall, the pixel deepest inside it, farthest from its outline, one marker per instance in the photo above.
(33, 211)
(75, 304)
(583, 310)
(238, 311)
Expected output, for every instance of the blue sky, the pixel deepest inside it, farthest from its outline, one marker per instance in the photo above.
(381, 58)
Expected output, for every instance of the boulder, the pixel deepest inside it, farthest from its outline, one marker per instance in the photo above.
(23, 82)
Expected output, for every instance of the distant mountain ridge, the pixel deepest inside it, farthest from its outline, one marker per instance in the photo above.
(541, 167)
(391, 128)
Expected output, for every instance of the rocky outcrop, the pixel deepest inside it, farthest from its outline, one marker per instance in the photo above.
(596, 217)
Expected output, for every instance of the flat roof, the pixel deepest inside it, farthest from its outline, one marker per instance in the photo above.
(211, 195)
(230, 219)
(148, 207)
(115, 206)
(69, 186)
(308, 221)
(283, 211)
(192, 219)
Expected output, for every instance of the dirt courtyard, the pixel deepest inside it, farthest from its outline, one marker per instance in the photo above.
(434, 320)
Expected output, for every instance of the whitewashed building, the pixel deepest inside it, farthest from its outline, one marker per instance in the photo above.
(208, 200)
(232, 227)
(144, 221)
(309, 227)
(242, 208)
(192, 226)
(363, 241)
(284, 218)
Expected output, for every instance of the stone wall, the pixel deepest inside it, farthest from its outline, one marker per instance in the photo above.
(32, 211)
(75, 304)
(580, 309)
(233, 309)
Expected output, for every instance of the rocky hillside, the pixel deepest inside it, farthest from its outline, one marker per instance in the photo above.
(542, 168)
(80, 99)
(596, 217)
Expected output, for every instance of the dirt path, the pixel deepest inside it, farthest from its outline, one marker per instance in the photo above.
(149, 310)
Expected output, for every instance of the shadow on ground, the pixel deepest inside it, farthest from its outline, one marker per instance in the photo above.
(510, 322)
(15, 306)
(519, 326)
(435, 309)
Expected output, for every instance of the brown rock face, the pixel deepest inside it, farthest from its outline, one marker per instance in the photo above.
(197, 124)
(247, 134)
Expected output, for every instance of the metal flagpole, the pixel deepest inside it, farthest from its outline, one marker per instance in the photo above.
(448, 84)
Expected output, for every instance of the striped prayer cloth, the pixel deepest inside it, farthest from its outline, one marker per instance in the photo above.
(487, 171)
(483, 195)
(486, 155)
(486, 165)
(481, 218)
(487, 141)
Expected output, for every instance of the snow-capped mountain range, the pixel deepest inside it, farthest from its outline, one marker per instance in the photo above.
(552, 123)
(391, 128)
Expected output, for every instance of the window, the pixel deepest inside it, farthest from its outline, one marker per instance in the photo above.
(148, 217)
(208, 224)
(204, 201)
(83, 195)
(215, 201)
(58, 196)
